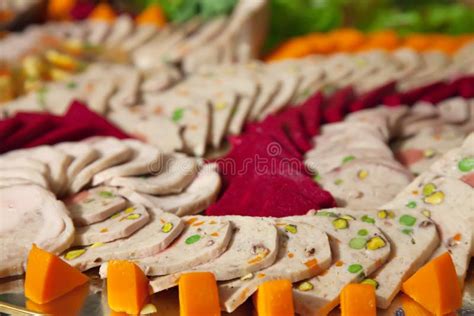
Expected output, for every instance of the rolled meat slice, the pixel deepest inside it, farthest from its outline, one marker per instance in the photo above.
(174, 173)
(25, 162)
(82, 153)
(254, 246)
(203, 239)
(94, 205)
(39, 219)
(454, 110)
(201, 193)
(144, 158)
(303, 252)
(362, 183)
(358, 249)
(448, 202)
(413, 238)
(164, 227)
(112, 152)
(120, 225)
(30, 175)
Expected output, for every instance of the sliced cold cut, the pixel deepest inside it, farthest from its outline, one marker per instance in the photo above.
(82, 153)
(362, 183)
(353, 260)
(144, 157)
(30, 214)
(150, 240)
(201, 193)
(31, 175)
(120, 225)
(94, 205)
(112, 152)
(303, 253)
(254, 246)
(172, 175)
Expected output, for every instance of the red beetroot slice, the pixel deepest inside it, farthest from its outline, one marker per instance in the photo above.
(444, 91)
(411, 96)
(338, 105)
(311, 113)
(373, 98)
(466, 87)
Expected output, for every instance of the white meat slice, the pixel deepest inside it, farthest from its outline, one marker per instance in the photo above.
(138, 245)
(454, 110)
(83, 154)
(120, 29)
(213, 235)
(25, 162)
(120, 225)
(254, 246)
(112, 152)
(303, 252)
(172, 175)
(28, 174)
(201, 193)
(94, 205)
(39, 218)
(144, 158)
(140, 36)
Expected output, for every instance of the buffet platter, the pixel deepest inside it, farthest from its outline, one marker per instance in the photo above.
(342, 165)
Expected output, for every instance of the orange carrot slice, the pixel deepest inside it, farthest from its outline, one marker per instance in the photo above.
(435, 286)
(274, 298)
(358, 299)
(68, 304)
(127, 287)
(152, 15)
(48, 277)
(103, 12)
(198, 294)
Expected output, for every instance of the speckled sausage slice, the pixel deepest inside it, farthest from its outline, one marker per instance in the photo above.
(119, 225)
(303, 253)
(94, 205)
(244, 254)
(149, 240)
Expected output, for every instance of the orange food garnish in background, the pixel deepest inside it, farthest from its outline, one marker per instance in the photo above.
(68, 304)
(435, 286)
(48, 277)
(412, 308)
(198, 294)
(274, 298)
(387, 39)
(347, 40)
(321, 43)
(127, 287)
(152, 15)
(60, 9)
(358, 299)
(417, 42)
(103, 12)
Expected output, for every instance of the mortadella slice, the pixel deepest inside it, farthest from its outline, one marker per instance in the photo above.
(254, 246)
(303, 253)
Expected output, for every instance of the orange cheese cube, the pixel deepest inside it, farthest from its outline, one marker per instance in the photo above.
(68, 304)
(127, 287)
(358, 299)
(435, 286)
(274, 298)
(48, 277)
(198, 294)
(412, 308)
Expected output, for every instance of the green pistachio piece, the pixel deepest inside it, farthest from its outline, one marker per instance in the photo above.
(348, 159)
(73, 254)
(429, 189)
(411, 204)
(357, 243)
(407, 231)
(106, 194)
(362, 232)
(167, 227)
(466, 164)
(407, 220)
(177, 115)
(290, 228)
(367, 219)
(326, 214)
(192, 239)
(338, 181)
(370, 282)
(354, 268)
(305, 286)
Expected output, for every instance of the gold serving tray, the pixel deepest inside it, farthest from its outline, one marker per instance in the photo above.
(13, 302)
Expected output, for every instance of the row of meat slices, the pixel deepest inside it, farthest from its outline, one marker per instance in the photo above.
(320, 252)
(198, 111)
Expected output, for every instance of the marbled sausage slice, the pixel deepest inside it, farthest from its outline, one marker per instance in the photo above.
(303, 253)
(120, 225)
(148, 241)
(30, 214)
(254, 246)
(94, 205)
